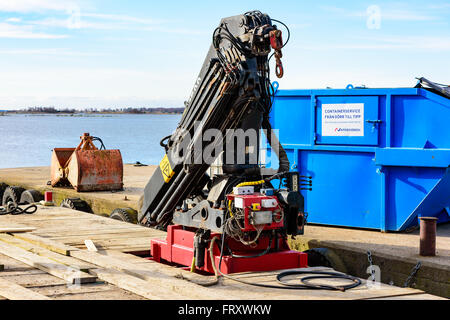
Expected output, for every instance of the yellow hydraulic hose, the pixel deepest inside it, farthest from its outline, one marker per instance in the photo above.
(250, 183)
(193, 264)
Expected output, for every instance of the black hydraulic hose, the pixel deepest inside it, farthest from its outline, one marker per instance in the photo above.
(162, 144)
(276, 146)
(288, 31)
(161, 209)
(305, 285)
(255, 255)
(285, 285)
(317, 275)
(175, 184)
(14, 209)
(102, 146)
(190, 178)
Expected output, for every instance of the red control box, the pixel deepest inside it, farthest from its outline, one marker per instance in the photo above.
(259, 210)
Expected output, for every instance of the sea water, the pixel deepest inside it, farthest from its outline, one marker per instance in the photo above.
(27, 140)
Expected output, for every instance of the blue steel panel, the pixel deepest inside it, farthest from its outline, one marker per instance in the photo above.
(407, 187)
(351, 92)
(289, 118)
(360, 185)
(434, 202)
(420, 122)
(404, 157)
(345, 189)
(370, 134)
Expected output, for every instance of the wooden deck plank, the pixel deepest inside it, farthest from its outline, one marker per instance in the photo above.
(136, 285)
(56, 234)
(102, 236)
(34, 280)
(151, 274)
(9, 229)
(60, 290)
(13, 291)
(69, 274)
(116, 294)
(420, 296)
(34, 248)
(131, 242)
(157, 281)
(45, 243)
(63, 228)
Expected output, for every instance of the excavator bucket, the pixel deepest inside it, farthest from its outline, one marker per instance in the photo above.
(60, 156)
(87, 168)
(95, 170)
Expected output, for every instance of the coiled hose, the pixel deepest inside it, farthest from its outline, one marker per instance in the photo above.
(285, 285)
(14, 209)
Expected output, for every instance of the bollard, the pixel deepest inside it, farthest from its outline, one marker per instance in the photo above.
(427, 236)
(48, 196)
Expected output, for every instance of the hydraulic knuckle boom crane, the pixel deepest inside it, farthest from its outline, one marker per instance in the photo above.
(237, 205)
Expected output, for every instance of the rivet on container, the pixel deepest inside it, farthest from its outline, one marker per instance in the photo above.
(428, 236)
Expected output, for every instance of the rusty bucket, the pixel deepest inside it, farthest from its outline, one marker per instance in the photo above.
(87, 168)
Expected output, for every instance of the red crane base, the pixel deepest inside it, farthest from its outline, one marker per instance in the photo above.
(179, 248)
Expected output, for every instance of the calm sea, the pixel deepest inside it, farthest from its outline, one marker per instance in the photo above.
(28, 140)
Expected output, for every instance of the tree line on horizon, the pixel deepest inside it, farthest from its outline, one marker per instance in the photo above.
(53, 110)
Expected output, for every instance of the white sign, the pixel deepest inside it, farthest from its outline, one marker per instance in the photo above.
(343, 120)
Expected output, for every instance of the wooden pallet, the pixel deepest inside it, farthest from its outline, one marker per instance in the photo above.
(52, 262)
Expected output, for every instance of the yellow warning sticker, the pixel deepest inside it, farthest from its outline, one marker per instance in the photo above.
(166, 170)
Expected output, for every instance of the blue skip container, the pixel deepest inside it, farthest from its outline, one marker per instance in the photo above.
(378, 158)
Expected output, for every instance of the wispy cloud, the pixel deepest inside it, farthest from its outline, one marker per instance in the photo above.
(26, 6)
(388, 43)
(122, 18)
(439, 6)
(68, 23)
(67, 14)
(48, 51)
(101, 21)
(114, 22)
(387, 13)
(14, 20)
(182, 31)
(294, 26)
(25, 32)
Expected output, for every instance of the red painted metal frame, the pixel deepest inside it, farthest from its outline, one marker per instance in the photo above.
(179, 248)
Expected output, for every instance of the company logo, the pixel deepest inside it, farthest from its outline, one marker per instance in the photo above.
(339, 130)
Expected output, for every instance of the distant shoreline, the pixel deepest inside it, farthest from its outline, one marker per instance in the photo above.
(5, 113)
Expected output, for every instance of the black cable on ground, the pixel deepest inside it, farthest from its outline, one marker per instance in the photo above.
(14, 209)
(304, 285)
(318, 275)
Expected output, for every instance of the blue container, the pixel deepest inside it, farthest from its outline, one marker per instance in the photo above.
(378, 158)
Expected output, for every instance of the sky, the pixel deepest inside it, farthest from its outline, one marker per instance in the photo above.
(145, 53)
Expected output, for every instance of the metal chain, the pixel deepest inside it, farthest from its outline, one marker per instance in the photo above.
(413, 273)
(372, 270)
